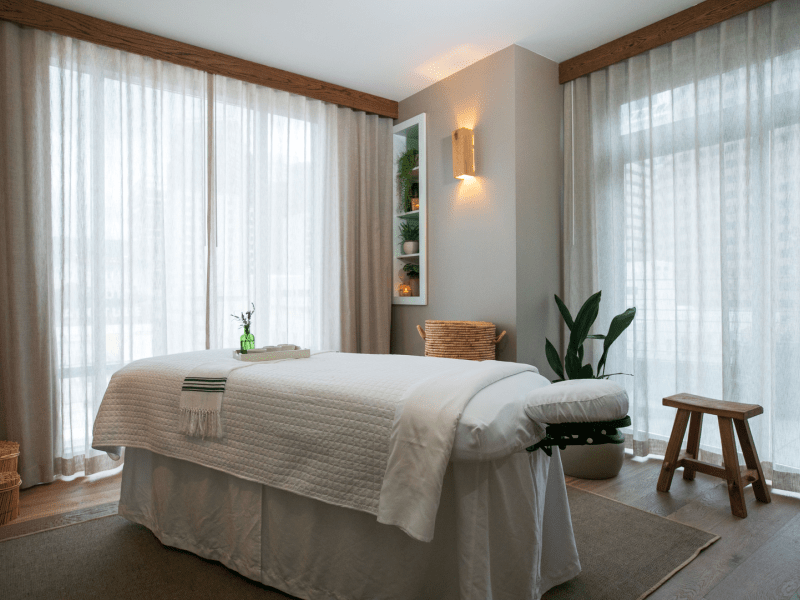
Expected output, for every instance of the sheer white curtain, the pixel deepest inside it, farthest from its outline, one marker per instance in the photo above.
(682, 188)
(276, 217)
(302, 201)
(128, 140)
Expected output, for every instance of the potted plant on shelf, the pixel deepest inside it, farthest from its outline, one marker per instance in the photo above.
(412, 270)
(406, 163)
(409, 236)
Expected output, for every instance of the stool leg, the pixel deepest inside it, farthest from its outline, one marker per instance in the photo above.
(751, 460)
(693, 444)
(732, 472)
(673, 450)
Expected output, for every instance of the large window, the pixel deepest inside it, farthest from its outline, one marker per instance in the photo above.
(167, 219)
(145, 202)
(686, 171)
(128, 185)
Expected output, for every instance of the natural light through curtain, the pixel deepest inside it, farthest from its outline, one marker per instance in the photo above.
(128, 163)
(145, 202)
(276, 224)
(686, 171)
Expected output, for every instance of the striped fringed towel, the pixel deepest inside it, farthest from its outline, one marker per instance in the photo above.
(201, 398)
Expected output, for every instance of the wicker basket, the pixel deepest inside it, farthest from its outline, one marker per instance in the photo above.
(9, 497)
(9, 453)
(470, 340)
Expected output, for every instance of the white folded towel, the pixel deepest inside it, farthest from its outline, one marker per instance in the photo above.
(201, 398)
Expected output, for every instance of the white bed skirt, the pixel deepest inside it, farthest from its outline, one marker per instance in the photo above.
(503, 531)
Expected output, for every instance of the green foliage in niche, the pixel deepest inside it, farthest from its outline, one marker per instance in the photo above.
(412, 138)
(409, 231)
(406, 163)
(412, 270)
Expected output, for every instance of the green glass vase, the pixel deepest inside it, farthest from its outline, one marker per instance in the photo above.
(247, 341)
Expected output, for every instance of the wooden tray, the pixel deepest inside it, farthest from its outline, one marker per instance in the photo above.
(281, 352)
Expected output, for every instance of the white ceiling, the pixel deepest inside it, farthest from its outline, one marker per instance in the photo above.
(391, 49)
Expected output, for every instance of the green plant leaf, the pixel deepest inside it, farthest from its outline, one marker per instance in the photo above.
(596, 336)
(585, 372)
(412, 270)
(584, 321)
(562, 308)
(409, 231)
(553, 359)
(606, 376)
(572, 364)
(618, 324)
(580, 354)
(406, 163)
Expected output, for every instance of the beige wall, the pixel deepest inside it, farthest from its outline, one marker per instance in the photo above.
(539, 175)
(493, 244)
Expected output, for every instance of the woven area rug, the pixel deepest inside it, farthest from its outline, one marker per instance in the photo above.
(624, 553)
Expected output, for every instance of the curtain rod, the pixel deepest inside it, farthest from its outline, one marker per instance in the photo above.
(667, 30)
(46, 17)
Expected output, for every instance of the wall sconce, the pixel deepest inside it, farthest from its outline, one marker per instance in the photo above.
(463, 153)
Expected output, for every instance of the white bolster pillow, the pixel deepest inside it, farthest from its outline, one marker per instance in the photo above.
(577, 401)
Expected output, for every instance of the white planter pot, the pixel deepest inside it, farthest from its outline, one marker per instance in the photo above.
(410, 247)
(603, 461)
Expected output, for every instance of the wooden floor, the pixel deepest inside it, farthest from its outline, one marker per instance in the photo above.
(68, 496)
(756, 558)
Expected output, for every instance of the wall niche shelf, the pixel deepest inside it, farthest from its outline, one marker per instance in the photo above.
(409, 135)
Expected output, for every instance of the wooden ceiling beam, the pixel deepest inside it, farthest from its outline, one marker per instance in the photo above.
(667, 30)
(39, 15)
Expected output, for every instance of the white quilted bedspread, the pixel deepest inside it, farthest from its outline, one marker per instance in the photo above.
(319, 427)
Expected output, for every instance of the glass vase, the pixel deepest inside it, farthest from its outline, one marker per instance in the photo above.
(247, 341)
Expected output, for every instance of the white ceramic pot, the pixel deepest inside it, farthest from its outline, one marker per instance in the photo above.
(603, 461)
(410, 247)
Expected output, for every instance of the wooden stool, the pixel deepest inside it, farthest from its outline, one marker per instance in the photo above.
(729, 413)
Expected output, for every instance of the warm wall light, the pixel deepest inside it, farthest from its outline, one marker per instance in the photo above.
(463, 153)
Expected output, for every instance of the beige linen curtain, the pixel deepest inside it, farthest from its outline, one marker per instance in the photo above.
(115, 248)
(682, 188)
(29, 408)
(364, 162)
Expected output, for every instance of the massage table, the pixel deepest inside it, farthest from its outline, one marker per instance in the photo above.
(294, 493)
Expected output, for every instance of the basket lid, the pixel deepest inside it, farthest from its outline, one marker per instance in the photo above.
(8, 449)
(457, 323)
(9, 481)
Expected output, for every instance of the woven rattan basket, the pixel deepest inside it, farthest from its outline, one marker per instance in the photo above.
(470, 340)
(9, 453)
(9, 497)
